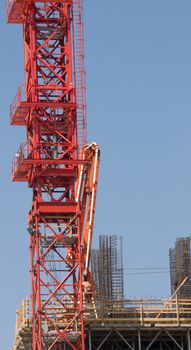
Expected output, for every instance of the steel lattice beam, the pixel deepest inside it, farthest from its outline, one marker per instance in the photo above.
(52, 107)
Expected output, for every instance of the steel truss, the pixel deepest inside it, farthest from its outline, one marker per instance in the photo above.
(118, 337)
(52, 107)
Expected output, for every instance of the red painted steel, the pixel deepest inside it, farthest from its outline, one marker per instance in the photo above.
(52, 107)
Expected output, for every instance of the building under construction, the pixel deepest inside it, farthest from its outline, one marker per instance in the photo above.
(61, 170)
(180, 267)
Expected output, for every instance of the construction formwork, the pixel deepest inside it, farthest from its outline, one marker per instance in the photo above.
(107, 269)
(129, 325)
(180, 267)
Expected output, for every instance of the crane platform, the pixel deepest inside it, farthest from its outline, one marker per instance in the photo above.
(15, 10)
(22, 105)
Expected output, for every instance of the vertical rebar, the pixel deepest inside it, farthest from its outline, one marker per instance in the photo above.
(107, 269)
(180, 267)
(139, 339)
(90, 339)
(189, 340)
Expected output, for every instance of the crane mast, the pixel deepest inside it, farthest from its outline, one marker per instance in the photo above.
(58, 166)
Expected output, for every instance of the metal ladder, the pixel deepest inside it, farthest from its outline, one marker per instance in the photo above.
(79, 72)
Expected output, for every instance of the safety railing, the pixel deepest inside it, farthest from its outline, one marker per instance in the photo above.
(15, 10)
(19, 97)
(9, 5)
(23, 316)
(156, 313)
(145, 312)
(178, 311)
(46, 151)
(21, 154)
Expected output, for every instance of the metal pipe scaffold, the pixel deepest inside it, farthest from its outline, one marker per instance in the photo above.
(60, 168)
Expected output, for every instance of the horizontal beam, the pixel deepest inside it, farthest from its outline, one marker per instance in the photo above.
(54, 162)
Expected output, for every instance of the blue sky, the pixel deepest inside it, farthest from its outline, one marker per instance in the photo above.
(138, 59)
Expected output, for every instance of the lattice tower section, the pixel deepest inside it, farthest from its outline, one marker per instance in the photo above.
(52, 107)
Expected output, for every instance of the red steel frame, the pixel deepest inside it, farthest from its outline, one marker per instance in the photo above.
(53, 111)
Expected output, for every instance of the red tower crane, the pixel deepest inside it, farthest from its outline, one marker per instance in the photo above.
(60, 168)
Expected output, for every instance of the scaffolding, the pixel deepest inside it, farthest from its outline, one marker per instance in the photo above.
(107, 269)
(180, 266)
(136, 324)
